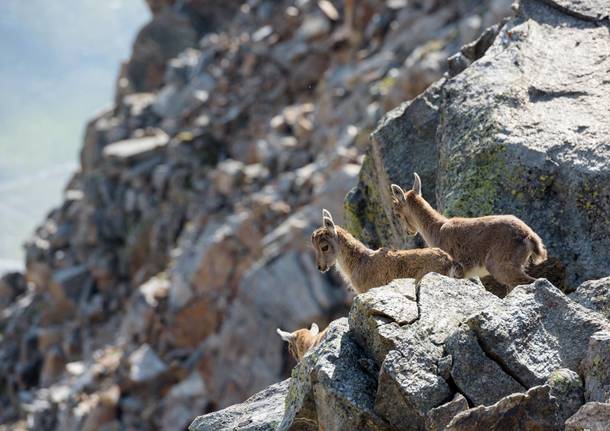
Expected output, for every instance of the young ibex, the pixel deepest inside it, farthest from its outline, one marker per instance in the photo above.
(301, 340)
(363, 268)
(498, 245)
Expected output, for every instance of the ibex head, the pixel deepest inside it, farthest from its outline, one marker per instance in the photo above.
(324, 241)
(401, 203)
(300, 341)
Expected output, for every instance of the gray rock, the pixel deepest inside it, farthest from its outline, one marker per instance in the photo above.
(135, 149)
(145, 365)
(261, 412)
(533, 410)
(595, 295)
(596, 368)
(438, 418)
(68, 284)
(536, 330)
(410, 383)
(504, 170)
(377, 315)
(502, 138)
(566, 386)
(476, 375)
(590, 417)
(329, 388)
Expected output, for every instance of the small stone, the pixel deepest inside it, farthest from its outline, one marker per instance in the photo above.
(590, 417)
(438, 418)
(145, 365)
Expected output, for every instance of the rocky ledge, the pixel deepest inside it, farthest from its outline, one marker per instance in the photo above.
(517, 125)
(445, 354)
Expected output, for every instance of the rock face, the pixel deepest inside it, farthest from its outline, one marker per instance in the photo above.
(448, 366)
(261, 412)
(503, 137)
(182, 241)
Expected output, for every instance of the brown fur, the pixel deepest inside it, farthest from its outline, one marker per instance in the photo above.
(364, 268)
(302, 340)
(499, 245)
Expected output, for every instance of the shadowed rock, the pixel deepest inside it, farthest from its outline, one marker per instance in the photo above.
(261, 412)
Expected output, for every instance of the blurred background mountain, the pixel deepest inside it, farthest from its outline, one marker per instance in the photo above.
(59, 62)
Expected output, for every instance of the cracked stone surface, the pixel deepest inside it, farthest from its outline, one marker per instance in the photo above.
(377, 316)
(476, 375)
(594, 10)
(536, 330)
(533, 410)
(409, 382)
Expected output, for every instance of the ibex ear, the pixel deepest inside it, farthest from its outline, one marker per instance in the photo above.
(326, 214)
(417, 184)
(327, 222)
(398, 192)
(314, 330)
(286, 336)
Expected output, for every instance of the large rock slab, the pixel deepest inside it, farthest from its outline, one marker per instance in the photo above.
(410, 381)
(534, 410)
(330, 388)
(477, 376)
(501, 137)
(261, 412)
(536, 330)
(513, 141)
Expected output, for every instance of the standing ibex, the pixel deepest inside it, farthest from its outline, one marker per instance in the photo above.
(499, 245)
(301, 340)
(364, 268)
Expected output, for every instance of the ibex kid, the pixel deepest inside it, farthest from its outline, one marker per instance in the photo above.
(363, 268)
(301, 340)
(500, 245)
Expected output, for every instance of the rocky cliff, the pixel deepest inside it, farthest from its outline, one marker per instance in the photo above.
(445, 354)
(154, 290)
(518, 124)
